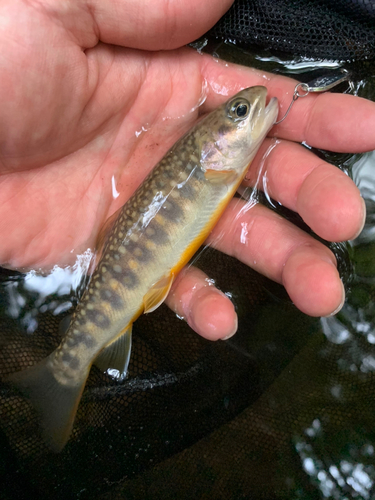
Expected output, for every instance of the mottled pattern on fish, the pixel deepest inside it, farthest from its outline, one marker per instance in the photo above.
(154, 235)
(147, 241)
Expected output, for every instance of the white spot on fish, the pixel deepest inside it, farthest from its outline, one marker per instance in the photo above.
(117, 268)
(150, 245)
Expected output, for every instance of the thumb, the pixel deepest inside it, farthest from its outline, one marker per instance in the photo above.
(154, 24)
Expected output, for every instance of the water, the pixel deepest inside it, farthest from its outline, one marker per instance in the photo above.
(282, 410)
(336, 447)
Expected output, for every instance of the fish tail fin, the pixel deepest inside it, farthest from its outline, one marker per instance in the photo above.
(55, 403)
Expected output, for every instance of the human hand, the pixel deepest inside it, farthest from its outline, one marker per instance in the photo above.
(92, 96)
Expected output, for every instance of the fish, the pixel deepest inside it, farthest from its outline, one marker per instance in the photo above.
(147, 243)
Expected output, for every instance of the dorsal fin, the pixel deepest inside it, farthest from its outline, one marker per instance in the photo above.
(104, 233)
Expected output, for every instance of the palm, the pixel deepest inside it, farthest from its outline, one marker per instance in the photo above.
(58, 189)
(83, 122)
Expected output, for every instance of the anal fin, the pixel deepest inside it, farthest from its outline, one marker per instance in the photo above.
(157, 294)
(115, 357)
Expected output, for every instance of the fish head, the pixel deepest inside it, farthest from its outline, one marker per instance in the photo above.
(235, 130)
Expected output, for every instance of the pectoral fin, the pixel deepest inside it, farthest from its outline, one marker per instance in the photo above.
(116, 355)
(220, 176)
(157, 294)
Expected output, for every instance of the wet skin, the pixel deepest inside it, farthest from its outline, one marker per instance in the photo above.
(80, 82)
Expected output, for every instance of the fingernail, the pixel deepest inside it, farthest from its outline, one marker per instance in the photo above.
(341, 303)
(233, 331)
(363, 219)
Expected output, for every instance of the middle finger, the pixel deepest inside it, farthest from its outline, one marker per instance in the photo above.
(324, 196)
(284, 253)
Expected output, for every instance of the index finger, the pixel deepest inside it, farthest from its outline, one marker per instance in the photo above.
(337, 122)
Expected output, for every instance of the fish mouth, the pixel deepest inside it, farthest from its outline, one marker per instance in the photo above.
(271, 112)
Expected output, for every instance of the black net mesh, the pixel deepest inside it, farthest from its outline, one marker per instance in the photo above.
(195, 419)
(337, 30)
(180, 389)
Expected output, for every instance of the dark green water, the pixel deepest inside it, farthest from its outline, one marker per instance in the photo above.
(284, 410)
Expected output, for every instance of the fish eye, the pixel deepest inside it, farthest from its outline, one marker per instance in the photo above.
(238, 109)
